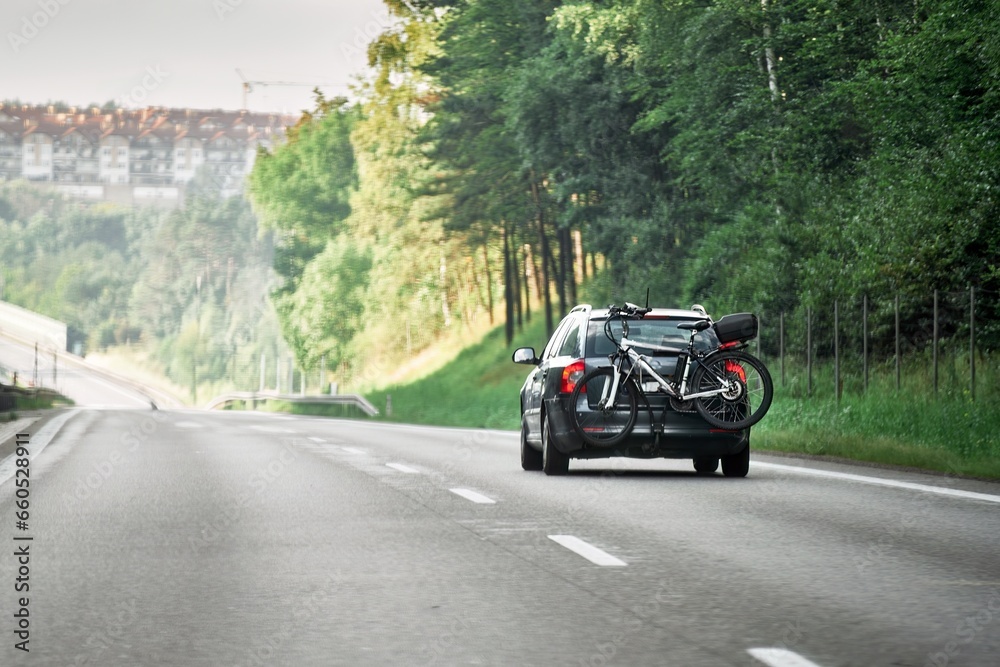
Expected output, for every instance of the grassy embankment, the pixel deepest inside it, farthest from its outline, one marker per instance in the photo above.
(911, 428)
(26, 401)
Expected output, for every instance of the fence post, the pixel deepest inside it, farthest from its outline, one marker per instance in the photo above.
(972, 342)
(934, 343)
(836, 349)
(809, 363)
(781, 346)
(897, 342)
(760, 333)
(864, 345)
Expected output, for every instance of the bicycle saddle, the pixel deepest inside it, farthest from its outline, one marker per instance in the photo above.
(700, 325)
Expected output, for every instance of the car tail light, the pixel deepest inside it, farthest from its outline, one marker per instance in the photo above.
(570, 376)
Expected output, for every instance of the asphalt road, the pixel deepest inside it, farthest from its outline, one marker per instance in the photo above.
(84, 387)
(193, 538)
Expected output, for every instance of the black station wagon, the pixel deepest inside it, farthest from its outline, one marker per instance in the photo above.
(667, 429)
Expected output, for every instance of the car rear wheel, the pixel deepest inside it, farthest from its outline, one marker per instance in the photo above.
(554, 462)
(737, 465)
(706, 465)
(531, 458)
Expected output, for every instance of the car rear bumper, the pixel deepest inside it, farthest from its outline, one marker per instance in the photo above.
(684, 436)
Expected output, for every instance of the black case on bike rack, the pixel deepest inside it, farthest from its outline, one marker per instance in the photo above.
(741, 327)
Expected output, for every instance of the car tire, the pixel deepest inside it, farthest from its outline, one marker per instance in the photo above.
(531, 458)
(737, 465)
(706, 466)
(554, 462)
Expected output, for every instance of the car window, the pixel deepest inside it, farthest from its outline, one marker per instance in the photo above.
(570, 346)
(658, 331)
(557, 337)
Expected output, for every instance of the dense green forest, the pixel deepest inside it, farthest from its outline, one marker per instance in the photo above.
(764, 155)
(751, 155)
(189, 286)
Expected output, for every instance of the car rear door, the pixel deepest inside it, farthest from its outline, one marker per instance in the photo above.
(538, 379)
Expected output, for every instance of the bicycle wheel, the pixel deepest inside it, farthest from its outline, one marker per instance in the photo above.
(608, 425)
(749, 396)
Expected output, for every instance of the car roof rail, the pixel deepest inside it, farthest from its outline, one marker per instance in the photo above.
(581, 308)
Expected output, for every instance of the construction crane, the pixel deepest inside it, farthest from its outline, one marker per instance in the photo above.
(248, 85)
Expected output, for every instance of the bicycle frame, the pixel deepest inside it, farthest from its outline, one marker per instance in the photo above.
(625, 347)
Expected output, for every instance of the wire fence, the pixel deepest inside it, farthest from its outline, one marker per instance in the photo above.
(938, 343)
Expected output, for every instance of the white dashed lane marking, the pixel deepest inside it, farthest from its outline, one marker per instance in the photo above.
(588, 551)
(402, 468)
(779, 657)
(473, 496)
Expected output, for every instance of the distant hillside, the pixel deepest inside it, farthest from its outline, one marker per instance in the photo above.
(188, 286)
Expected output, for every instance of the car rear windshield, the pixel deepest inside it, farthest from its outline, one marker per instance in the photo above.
(658, 331)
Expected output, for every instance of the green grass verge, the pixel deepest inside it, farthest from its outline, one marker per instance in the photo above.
(951, 434)
(43, 400)
(948, 435)
(478, 389)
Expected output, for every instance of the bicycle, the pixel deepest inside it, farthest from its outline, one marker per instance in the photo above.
(730, 388)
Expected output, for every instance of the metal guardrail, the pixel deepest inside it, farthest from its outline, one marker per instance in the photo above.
(337, 399)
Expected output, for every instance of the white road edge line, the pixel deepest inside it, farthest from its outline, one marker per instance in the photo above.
(401, 468)
(473, 496)
(352, 450)
(926, 488)
(779, 657)
(38, 442)
(317, 439)
(588, 551)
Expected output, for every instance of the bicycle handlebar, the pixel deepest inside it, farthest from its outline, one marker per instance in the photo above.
(628, 310)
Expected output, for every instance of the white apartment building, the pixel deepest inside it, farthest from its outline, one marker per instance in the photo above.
(133, 155)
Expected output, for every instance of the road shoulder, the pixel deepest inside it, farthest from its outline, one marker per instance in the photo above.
(28, 421)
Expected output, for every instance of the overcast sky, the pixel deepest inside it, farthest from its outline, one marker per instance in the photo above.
(183, 53)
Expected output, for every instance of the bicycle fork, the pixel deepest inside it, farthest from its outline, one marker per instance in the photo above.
(610, 390)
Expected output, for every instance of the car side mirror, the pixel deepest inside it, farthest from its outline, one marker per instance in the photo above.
(525, 355)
